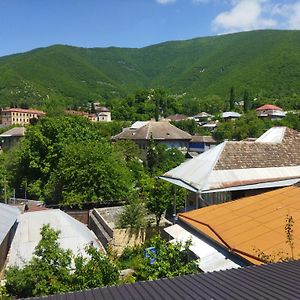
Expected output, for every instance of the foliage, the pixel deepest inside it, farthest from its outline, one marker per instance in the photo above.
(198, 67)
(133, 215)
(55, 270)
(171, 259)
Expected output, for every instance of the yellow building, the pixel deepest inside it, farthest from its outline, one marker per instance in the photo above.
(19, 116)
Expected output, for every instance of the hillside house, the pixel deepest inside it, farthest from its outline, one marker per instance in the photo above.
(270, 111)
(19, 116)
(161, 132)
(176, 117)
(202, 118)
(103, 114)
(234, 169)
(230, 115)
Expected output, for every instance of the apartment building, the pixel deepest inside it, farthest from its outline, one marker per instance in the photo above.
(19, 116)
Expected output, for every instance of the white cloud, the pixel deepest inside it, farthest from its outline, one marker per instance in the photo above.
(200, 1)
(165, 1)
(244, 15)
(294, 17)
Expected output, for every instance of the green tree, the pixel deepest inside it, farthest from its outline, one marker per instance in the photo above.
(231, 99)
(171, 259)
(247, 103)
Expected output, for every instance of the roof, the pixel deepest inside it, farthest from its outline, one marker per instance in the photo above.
(101, 109)
(210, 258)
(251, 224)
(176, 117)
(230, 114)
(273, 281)
(203, 139)
(273, 157)
(269, 107)
(74, 235)
(161, 130)
(202, 115)
(8, 217)
(22, 110)
(16, 131)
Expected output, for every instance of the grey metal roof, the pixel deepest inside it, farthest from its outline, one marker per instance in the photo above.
(73, 234)
(16, 131)
(8, 217)
(272, 281)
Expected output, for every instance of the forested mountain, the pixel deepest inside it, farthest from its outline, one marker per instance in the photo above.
(265, 62)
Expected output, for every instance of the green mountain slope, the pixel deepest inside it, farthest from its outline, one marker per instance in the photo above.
(267, 63)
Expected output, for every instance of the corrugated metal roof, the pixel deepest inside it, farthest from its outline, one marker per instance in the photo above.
(269, 107)
(8, 217)
(250, 224)
(74, 235)
(239, 164)
(210, 258)
(278, 281)
(230, 114)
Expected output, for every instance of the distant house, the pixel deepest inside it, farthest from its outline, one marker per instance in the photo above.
(201, 144)
(230, 115)
(162, 132)
(202, 118)
(233, 169)
(249, 226)
(176, 117)
(103, 114)
(8, 223)
(19, 116)
(10, 137)
(74, 235)
(270, 111)
(211, 126)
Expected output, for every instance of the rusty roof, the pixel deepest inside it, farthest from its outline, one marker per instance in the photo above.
(271, 281)
(269, 107)
(161, 130)
(252, 223)
(23, 110)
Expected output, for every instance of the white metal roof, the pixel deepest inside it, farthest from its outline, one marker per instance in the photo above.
(230, 114)
(210, 258)
(273, 135)
(8, 217)
(16, 131)
(138, 124)
(74, 235)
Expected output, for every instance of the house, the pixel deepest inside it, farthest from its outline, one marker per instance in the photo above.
(202, 118)
(19, 116)
(270, 111)
(8, 223)
(161, 132)
(268, 282)
(176, 117)
(74, 235)
(10, 137)
(250, 226)
(103, 114)
(201, 144)
(211, 126)
(230, 115)
(234, 169)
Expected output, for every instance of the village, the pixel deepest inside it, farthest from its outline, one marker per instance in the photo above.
(238, 209)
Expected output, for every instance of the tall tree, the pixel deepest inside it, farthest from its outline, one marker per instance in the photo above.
(247, 103)
(231, 99)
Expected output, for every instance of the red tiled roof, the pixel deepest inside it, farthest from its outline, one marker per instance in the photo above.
(22, 110)
(269, 107)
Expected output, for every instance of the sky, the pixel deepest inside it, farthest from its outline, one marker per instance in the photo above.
(29, 24)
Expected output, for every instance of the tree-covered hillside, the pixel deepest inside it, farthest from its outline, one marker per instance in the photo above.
(266, 63)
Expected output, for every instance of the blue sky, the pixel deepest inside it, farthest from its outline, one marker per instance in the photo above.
(28, 24)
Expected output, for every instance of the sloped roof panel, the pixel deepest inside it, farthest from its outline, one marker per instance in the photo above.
(272, 281)
(74, 235)
(251, 224)
(8, 217)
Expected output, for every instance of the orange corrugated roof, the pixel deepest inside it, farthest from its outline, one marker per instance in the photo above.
(251, 223)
